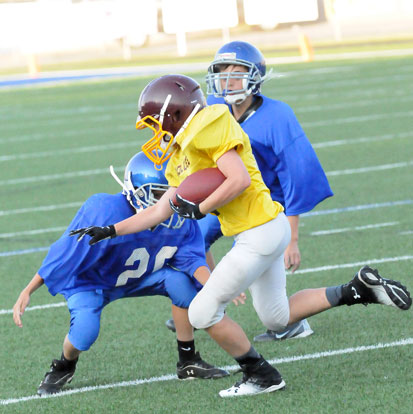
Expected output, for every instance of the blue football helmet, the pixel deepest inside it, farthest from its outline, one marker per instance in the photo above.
(143, 186)
(236, 53)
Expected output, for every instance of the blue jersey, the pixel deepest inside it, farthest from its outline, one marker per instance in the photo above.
(287, 161)
(71, 266)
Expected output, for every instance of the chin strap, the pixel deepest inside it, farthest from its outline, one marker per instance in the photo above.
(256, 103)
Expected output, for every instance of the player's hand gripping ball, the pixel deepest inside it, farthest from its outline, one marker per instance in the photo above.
(193, 190)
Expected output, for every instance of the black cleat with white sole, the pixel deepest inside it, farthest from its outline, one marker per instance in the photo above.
(258, 378)
(56, 378)
(198, 368)
(368, 286)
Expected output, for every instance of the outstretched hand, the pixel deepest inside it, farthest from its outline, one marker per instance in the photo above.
(186, 209)
(292, 257)
(96, 233)
(20, 306)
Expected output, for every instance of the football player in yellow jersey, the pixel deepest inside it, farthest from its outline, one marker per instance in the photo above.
(193, 136)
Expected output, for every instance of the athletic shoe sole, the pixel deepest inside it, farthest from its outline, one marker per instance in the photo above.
(272, 388)
(57, 389)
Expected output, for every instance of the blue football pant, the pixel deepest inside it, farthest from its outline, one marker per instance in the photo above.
(86, 307)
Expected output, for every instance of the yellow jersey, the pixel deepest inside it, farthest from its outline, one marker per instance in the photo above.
(211, 133)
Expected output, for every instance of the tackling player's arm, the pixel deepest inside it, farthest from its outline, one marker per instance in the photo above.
(24, 298)
(238, 179)
(147, 218)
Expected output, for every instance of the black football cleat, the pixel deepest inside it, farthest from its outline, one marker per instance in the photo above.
(259, 378)
(56, 378)
(170, 324)
(198, 368)
(368, 286)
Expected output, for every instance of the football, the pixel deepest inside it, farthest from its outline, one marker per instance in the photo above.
(199, 185)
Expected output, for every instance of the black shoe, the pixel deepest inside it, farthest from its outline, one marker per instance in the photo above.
(198, 368)
(170, 324)
(368, 286)
(257, 379)
(297, 330)
(56, 378)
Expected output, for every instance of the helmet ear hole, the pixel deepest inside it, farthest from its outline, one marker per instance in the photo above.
(176, 116)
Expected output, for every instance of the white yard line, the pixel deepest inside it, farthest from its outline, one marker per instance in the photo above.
(50, 207)
(72, 174)
(370, 169)
(343, 105)
(302, 271)
(76, 150)
(32, 308)
(314, 233)
(357, 208)
(32, 232)
(98, 171)
(355, 119)
(354, 264)
(56, 136)
(170, 377)
(121, 145)
(362, 140)
(347, 229)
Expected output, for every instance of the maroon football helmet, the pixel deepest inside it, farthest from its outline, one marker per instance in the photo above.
(166, 106)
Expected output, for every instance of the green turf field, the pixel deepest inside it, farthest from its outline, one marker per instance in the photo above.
(56, 144)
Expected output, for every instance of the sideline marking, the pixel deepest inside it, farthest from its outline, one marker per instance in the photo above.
(169, 377)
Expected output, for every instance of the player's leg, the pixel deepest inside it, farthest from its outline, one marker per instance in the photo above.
(85, 310)
(253, 253)
(366, 287)
(211, 232)
(181, 289)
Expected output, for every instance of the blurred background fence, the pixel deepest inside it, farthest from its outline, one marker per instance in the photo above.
(54, 31)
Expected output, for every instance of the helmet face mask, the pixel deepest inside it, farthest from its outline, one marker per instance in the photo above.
(159, 148)
(166, 106)
(236, 54)
(143, 186)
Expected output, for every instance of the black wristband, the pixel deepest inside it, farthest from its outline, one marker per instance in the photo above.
(112, 231)
(197, 212)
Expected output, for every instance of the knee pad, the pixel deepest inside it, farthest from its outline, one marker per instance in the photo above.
(85, 310)
(202, 316)
(84, 328)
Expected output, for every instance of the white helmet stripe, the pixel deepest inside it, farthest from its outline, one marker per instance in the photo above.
(188, 120)
(163, 109)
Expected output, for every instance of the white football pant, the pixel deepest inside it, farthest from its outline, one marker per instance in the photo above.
(255, 262)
